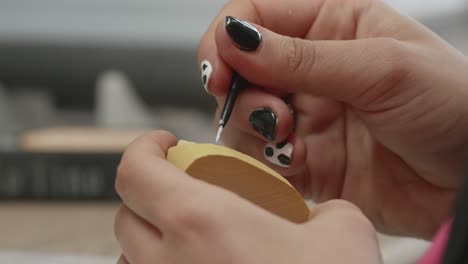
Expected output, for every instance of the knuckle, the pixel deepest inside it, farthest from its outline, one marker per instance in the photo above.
(123, 173)
(343, 205)
(391, 67)
(155, 134)
(130, 162)
(293, 53)
(126, 167)
(150, 137)
(359, 222)
(299, 57)
(398, 58)
(352, 215)
(187, 215)
(118, 221)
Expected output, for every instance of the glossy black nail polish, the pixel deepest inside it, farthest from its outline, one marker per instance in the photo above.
(243, 34)
(284, 160)
(264, 121)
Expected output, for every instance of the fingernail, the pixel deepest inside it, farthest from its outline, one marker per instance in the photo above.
(279, 154)
(264, 121)
(243, 34)
(206, 70)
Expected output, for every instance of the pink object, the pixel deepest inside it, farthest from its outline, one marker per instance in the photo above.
(436, 251)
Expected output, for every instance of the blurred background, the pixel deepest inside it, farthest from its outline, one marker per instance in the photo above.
(80, 79)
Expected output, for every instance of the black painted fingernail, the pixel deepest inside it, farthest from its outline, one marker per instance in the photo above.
(264, 121)
(245, 35)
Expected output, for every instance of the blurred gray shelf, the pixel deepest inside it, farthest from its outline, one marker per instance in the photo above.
(63, 45)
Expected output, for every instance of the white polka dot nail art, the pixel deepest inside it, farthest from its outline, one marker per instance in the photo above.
(279, 154)
(206, 70)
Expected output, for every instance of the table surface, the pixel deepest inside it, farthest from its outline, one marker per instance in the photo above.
(86, 228)
(61, 227)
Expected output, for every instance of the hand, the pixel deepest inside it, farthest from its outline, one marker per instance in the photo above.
(381, 112)
(169, 217)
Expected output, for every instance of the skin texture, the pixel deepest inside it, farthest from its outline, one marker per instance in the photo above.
(169, 217)
(381, 120)
(381, 112)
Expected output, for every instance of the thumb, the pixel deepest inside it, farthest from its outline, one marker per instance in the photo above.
(358, 72)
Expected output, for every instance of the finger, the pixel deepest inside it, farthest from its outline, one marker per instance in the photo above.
(122, 260)
(341, 219)
(338, 212)
(147, 182)
(288, 65)
(287, 158)
(331, 206)
(163, 195)
(140, 242)
(285, 17)
(261, 114)
(314, 114)
(318, 20)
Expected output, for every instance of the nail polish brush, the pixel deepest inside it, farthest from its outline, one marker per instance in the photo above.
(248, 38)
(237, 84)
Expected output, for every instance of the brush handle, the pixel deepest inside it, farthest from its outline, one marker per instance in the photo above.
(237, 84)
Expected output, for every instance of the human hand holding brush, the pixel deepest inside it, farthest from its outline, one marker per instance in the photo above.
(347, 99)
(380, 112)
